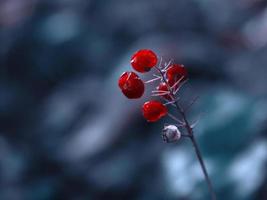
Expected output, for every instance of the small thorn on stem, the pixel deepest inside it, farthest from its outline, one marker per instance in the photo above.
(152, 80)
(160, 62)
(180, 125)
(172, 103)
(169, 102)
(175, 119)
(157, 76)
(167, 65)
(160, 93)
(191, 103)
(178, 83)
(194, 124)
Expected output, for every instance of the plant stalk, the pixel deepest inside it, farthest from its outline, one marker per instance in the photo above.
(200, 159)
(192, 138)
(197, 151)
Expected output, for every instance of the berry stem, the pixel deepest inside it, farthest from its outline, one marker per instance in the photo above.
(202, 164)
(190, 135)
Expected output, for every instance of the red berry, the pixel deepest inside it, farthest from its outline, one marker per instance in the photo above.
(175, 72)
(131, 85)
(163, 87)
(143, 60)
(126, 76)
(154, 110)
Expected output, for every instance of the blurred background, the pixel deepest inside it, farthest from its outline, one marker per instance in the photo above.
(67, 132)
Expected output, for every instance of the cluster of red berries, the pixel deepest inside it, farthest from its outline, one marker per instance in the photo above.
(133, 87)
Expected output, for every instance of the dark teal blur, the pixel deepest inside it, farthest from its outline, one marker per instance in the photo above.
(67, 132)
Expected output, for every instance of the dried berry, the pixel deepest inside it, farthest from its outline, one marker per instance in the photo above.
(171, 133)
(154, 110)
(131, 85)
(143, 60)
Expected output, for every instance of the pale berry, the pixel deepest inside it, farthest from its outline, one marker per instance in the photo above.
(131, 85)
(154, 110)
(143, 60)
(171, 133)
(176, 72)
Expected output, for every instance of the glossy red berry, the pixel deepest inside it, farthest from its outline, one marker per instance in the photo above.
(164, 88)
(154, 110)
(175, 72)
(131, 85)
(143, 60)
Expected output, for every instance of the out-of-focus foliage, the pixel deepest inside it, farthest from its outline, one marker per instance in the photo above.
(66, 132)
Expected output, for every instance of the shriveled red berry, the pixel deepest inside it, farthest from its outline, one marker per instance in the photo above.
(154, 110)
(176, 72)
(143, 60)
(164, 88)
(131, 85)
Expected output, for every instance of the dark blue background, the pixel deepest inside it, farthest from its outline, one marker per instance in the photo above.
(66, 131)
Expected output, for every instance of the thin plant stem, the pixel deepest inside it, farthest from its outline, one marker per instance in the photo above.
(202, 164)
(191, 136)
